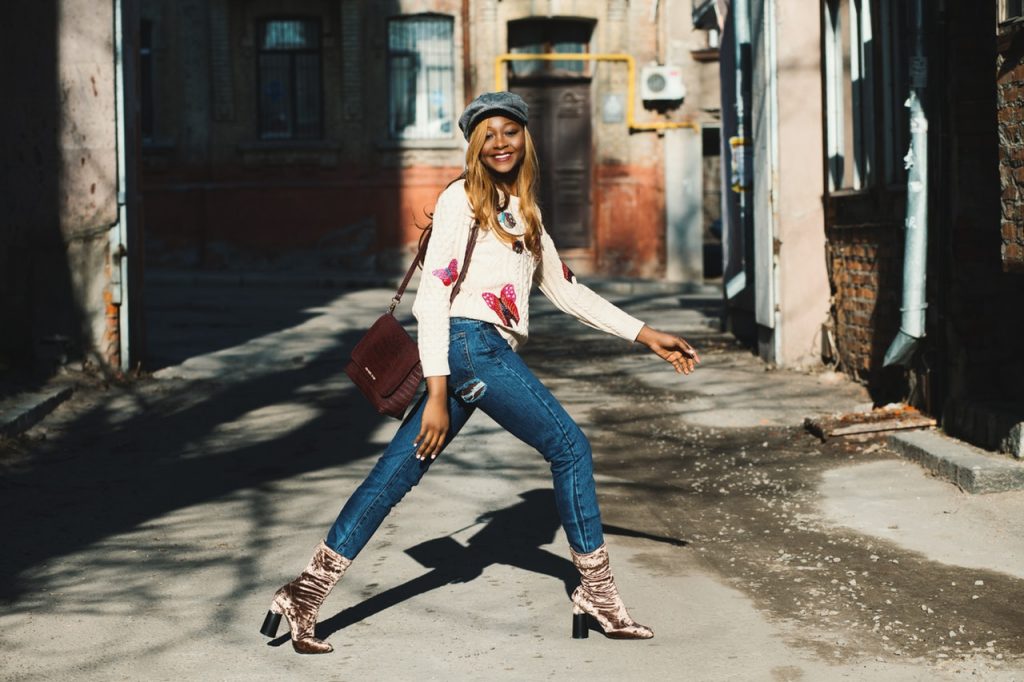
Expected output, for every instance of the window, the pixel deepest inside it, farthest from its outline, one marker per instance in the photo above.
(421, 75)
(866, 81)
(544, 36)
(289, 80)
(897, 32)
(146, 79)
(849, 97)
(1010, 9)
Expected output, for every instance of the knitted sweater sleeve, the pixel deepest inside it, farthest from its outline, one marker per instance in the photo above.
(557, 282)
(448, 239)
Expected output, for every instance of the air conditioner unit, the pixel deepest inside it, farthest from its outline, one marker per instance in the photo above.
(662, 84)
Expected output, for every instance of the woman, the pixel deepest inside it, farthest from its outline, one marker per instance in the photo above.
(467, 349)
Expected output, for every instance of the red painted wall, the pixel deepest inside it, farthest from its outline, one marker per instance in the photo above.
(235, 217)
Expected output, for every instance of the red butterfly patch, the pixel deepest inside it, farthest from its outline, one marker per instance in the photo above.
(504, 306)
(448, 274)
(568, 274)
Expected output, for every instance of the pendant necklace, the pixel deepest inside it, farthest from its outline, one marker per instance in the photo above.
(508, 221)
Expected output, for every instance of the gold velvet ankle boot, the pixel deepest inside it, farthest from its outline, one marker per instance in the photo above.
(597, 598)
(300, 600)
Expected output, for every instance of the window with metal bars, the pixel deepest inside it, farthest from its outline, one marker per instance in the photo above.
(545, 36)
(290, 86)
(421, 77)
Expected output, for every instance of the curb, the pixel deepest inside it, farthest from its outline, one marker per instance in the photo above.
(28, 409)
(973, 469)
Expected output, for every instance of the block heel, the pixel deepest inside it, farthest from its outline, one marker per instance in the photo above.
(270, 624)
(580, 625)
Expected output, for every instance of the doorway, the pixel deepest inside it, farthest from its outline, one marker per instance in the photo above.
(560, 126)
(558, 94)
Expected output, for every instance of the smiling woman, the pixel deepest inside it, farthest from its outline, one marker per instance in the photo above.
(467, 345)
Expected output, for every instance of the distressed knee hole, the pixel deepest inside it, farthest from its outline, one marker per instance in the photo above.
(472, 390)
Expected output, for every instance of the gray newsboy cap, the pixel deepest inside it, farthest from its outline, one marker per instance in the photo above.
(503, 103)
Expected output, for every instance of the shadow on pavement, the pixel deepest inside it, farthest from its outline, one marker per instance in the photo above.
(107, 474)
(186, 320)
(513, 536)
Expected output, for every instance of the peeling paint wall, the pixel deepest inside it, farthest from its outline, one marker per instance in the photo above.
(217, 196)
(59, 195)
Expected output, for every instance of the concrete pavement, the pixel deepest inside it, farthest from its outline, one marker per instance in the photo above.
(146, 527)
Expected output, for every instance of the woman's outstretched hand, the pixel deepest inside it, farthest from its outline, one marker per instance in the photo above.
(670, 348)
(434, 423)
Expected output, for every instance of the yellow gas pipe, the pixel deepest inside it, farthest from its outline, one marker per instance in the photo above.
(499, 81)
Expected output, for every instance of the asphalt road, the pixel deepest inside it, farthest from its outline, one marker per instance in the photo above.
(148, 523)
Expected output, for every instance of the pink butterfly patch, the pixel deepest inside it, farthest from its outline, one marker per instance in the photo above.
(568, 274)
(504, 306)
(448, 274)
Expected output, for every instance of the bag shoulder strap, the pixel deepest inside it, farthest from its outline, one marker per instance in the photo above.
(421, 256)
(465, 261)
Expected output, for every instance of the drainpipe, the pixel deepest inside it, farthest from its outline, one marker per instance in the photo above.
(912, 322)
(118, 236)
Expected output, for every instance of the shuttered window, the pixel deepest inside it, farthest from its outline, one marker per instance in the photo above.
(421, 77)
(290, 87)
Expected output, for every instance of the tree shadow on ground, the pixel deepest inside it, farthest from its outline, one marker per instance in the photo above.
(105, 474)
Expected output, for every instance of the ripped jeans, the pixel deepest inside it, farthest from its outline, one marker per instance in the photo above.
(485, 373)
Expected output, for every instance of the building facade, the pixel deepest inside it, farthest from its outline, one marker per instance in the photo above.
(775, 280)
(917, 214)
(318, 133)
(67, 231)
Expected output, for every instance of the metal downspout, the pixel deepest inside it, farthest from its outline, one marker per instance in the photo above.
(118, 232)
(912, 322)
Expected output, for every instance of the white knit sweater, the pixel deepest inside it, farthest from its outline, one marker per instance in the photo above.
(498, 283)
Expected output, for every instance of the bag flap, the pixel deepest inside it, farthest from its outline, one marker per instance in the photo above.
(386, 355)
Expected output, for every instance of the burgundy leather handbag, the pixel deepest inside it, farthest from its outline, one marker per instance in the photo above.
(385, 364)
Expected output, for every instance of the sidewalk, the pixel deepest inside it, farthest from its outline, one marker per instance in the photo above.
(146, 534)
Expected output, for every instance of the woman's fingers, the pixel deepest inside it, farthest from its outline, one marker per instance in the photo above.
(429, 443)
(435, 450)
(681, 361)
(422, 441)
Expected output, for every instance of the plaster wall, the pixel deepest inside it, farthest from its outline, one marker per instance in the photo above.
(60, 187)
(803, 295)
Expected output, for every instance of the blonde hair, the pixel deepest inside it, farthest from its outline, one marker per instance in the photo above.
(487, 200)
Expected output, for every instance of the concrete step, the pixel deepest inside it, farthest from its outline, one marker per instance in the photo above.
(25, 410)
(973, 469)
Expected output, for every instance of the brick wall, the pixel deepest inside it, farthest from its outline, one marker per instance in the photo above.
(1010, 111)
(864, 264)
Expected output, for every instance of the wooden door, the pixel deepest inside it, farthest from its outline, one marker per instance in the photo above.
(561, 130)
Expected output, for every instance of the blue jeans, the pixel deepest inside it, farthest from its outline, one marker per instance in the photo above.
(485, 373)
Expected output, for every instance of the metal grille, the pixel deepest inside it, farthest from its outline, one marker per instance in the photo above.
(290, 100)
(421, 69)
(543, 36)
